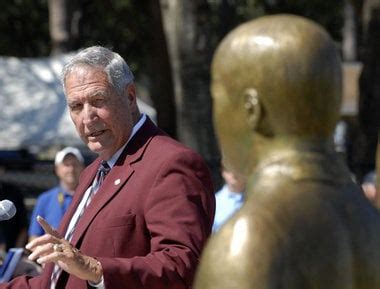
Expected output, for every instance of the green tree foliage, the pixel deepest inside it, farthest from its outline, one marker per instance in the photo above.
(125, 25)
(121, 25)
(229, 13)
(24, 28)
(327, 13)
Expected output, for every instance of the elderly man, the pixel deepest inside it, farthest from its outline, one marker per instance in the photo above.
(52, 204)
(305, 224)
(143, 209)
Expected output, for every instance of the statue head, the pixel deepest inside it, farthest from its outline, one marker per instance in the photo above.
(274, 78)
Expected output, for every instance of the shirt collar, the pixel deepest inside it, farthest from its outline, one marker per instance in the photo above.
(233, 195)
(111, 162)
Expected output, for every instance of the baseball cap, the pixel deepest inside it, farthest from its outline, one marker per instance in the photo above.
(370, 177)
(60, 156)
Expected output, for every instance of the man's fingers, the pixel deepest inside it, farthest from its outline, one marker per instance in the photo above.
(41, 250)
(40, 241)
(47, 228)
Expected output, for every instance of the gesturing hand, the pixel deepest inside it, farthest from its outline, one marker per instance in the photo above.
(52, 247)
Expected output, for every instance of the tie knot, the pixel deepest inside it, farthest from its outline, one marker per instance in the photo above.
(104, 168)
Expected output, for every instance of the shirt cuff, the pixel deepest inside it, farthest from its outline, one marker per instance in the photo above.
(99, 285)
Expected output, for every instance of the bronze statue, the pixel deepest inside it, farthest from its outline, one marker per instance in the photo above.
(276, 84)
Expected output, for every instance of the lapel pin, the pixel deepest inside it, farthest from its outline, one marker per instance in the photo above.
(117, 182)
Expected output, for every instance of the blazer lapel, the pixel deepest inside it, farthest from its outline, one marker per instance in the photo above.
(116, 178)
(110, 186)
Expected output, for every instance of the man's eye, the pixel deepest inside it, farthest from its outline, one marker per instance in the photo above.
(75, 106)
(99, 102)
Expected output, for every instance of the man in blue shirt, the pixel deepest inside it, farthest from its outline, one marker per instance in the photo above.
(229, 198)
(52, 204)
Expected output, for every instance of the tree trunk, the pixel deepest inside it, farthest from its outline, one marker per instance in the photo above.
(162, 91)
(369, 101)
(187, 30)
(63, 24)
(349, 46)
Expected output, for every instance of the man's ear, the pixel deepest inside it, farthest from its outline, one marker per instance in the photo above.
(252, 107)
(131, 93)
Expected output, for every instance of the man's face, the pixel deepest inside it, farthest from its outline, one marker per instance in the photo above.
(69, 171)
(235, 182)
(103, 118)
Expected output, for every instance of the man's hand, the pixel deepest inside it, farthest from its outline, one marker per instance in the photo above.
(52, 247)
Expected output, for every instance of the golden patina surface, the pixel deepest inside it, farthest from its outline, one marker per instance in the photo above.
(276, 84)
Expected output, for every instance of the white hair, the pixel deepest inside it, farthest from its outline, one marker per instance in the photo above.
(117, 70)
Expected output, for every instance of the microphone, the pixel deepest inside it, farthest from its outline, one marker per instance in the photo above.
(7, 210)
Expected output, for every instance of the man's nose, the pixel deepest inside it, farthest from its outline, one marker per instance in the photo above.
(89, 114)
(70, 168)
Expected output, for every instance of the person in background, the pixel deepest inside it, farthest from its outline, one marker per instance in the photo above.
(229, 198)
(143, 210)
(369, 186)
(52, 204)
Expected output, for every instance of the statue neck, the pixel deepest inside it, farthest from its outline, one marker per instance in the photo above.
(300, 160)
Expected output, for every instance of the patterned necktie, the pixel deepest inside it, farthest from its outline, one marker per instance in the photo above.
(103, 170)
(99, 178)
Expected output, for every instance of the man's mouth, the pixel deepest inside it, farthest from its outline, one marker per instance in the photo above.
(96, 133)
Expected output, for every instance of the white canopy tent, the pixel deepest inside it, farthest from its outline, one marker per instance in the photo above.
(34, 112)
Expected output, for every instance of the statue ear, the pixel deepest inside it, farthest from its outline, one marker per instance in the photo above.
(252, 107)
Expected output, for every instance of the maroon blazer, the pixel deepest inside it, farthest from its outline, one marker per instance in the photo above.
(148, 222)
